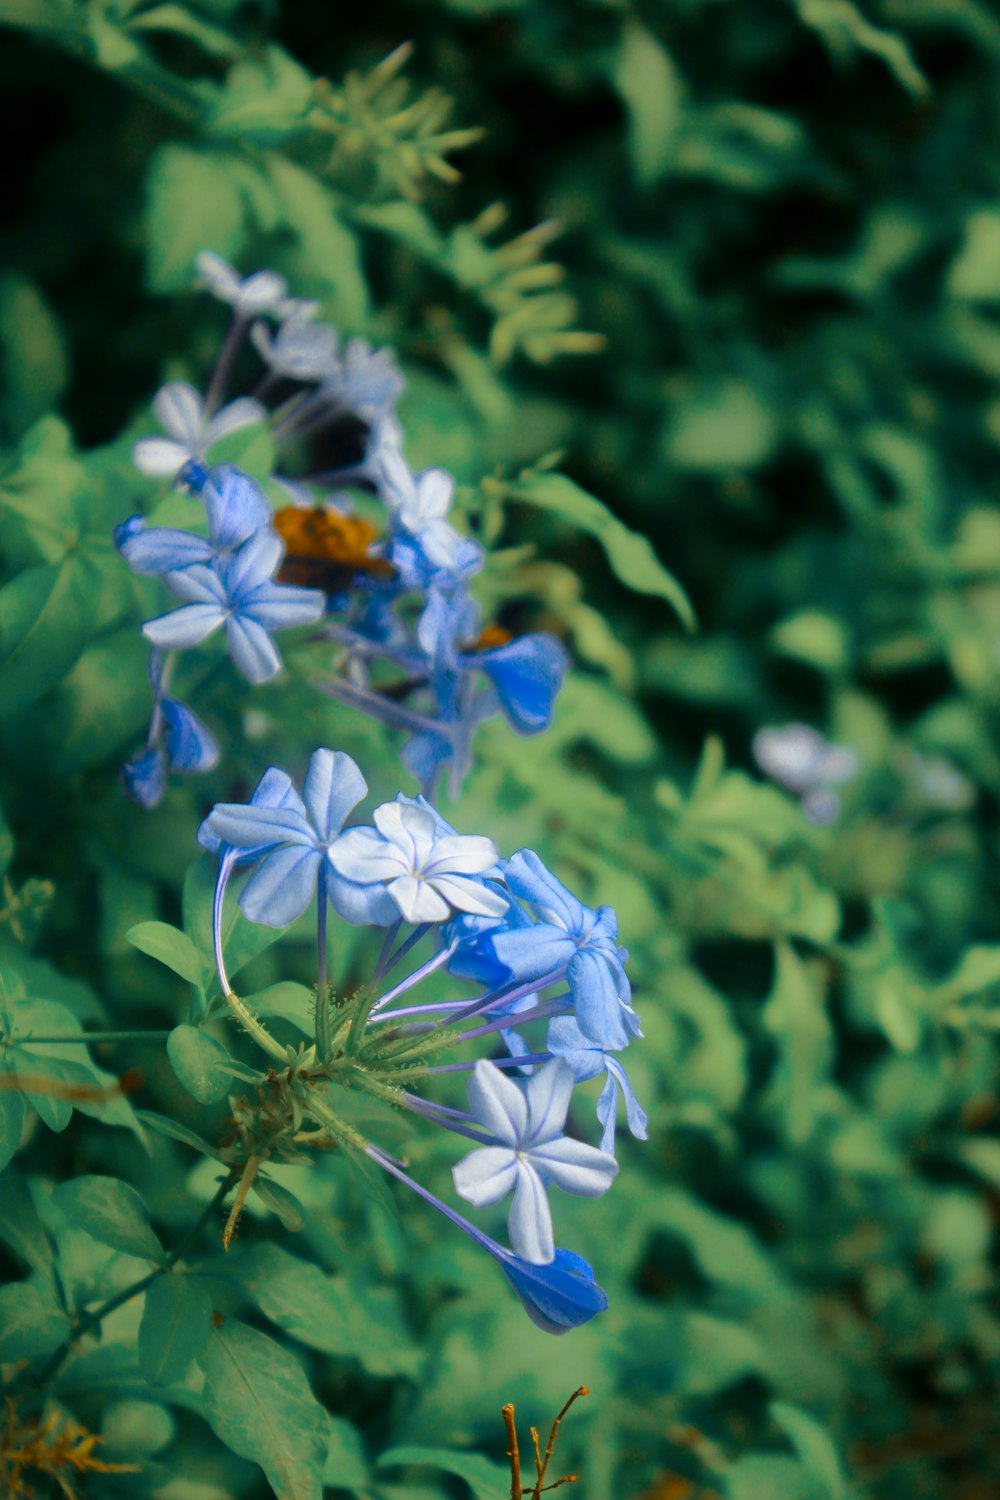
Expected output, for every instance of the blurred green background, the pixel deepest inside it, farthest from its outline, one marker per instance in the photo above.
(767, 338)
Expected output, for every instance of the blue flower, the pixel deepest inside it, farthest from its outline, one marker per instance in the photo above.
(572, 938)
(190, 745)
(236, 511)
(260, 292)
(427, 872)
(527, 674)
(181, 412)
(529, 1150)
(292, 836)
(558, 1296)
(586, 1060)
(239, 593)
(145, 776)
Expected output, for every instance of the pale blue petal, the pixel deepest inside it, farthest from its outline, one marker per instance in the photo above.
(531, 952)
(498, 1104)
(280, 606)
(361, 905)
(190, 745)
(364, 856)
(162, 549)
(235, 506)
(638, 1120)
(575, 1167)
(333, 788)
(281, 887)
(485, 1176)
(596, 1003)
(145, 777)
(530, 1221)
(252, 649)
(251, 826)
(184, 627)
(529, 880)
(548, 1094)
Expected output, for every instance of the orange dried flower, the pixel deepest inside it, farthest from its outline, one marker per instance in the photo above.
(325, 547)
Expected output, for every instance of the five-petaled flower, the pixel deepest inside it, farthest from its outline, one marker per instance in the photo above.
(426, 870)
(292, 837)
(237, 592)
(191, 431)
(572, 938)
(528, 1151)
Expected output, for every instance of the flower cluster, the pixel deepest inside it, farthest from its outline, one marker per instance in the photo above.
(801, 760)
(407, 645)
(550, 987)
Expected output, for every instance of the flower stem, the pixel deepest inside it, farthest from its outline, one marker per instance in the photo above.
(323, 1032)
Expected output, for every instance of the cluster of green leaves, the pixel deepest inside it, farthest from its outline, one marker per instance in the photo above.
(783, 221)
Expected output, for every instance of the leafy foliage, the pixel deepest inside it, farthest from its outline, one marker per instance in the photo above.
(779, 262)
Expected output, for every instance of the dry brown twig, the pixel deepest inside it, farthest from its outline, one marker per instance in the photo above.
(517, 1490)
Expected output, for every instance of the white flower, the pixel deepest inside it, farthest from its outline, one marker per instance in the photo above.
(181, 412)
(797, 756)
(263, 291)
(527, 1122)
(425, 870)
(300, 349)
(421, 503)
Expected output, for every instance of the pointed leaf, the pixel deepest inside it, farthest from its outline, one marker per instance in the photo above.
(176, 1323)
(111, 1212)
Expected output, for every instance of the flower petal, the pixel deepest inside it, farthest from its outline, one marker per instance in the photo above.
(558, 1296)
(281, 887)
(161, 549)
(465, 894)
(240, 413)
(252, 648)
(575, 1167)
(180, 411)
(235, 506)
(530, 1220)
(158, 457)
(250, 827)
(190, 745)
(462, 854)
(364, 856)
(417, 900)
(333, 788)
(485, 1176)
(548, 1094)
(185, 627)
(498, 1103)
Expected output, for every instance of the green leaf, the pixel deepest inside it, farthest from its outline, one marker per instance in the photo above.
(262, 96)
(327, 246)
(648, 81)
(291, 1002)
(814, 1446)
(281, 1202)
(486, 1480)
(12, 1112)
(171, 947)
(765, 1476)
(21, 1230)
(346, 1465)
(201, 1063)
(327, 1313)
(630, 555)
(111, 1212)
(193, 203)
(258, 1402)
(796, 1014)
(46, 615)
(176, 1131)
(176, 1323)
(31, 1325)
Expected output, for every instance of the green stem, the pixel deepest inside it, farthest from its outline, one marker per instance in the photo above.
(93, 1319)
